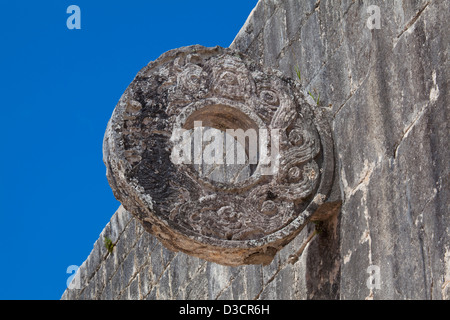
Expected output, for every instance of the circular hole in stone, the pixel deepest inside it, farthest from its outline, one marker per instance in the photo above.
(224, 144)
(222, 158)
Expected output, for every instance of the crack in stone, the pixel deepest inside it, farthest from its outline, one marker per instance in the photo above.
(348, 9)
(230, 282)
(201, 268)
(355, 91)
(280, 267)
(269, 281)
(408, 129)
(413, 20)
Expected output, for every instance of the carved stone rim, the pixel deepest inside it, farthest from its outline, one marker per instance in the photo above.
(296, 225)
(177, 237)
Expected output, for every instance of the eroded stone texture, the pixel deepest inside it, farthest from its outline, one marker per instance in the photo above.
(242, 222)
(386, 93)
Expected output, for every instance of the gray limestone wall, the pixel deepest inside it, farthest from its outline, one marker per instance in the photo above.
(139, 267)
(385, 91)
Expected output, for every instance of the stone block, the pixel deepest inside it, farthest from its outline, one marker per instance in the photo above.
(117, 284)
(129, 267)
(284, 281)
(146, 280)
(107, 292)
(179, 272)
(275, 38)
(219, 277)
(197, 288)
(237, 290)
(296, 14)
(164, 287)
(253, 276)
(156, 263)
(133, 293)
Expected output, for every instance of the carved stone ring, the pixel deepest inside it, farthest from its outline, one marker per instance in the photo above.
(224, 212)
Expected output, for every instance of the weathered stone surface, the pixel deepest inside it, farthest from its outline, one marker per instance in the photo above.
(386, 92)
(228, 221)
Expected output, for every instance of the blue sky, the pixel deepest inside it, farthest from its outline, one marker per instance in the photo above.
(58, 89)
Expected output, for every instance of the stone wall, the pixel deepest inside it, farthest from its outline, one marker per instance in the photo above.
(385, 91)
(139, 267)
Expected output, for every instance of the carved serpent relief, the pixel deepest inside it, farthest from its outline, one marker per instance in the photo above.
(231, 222)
